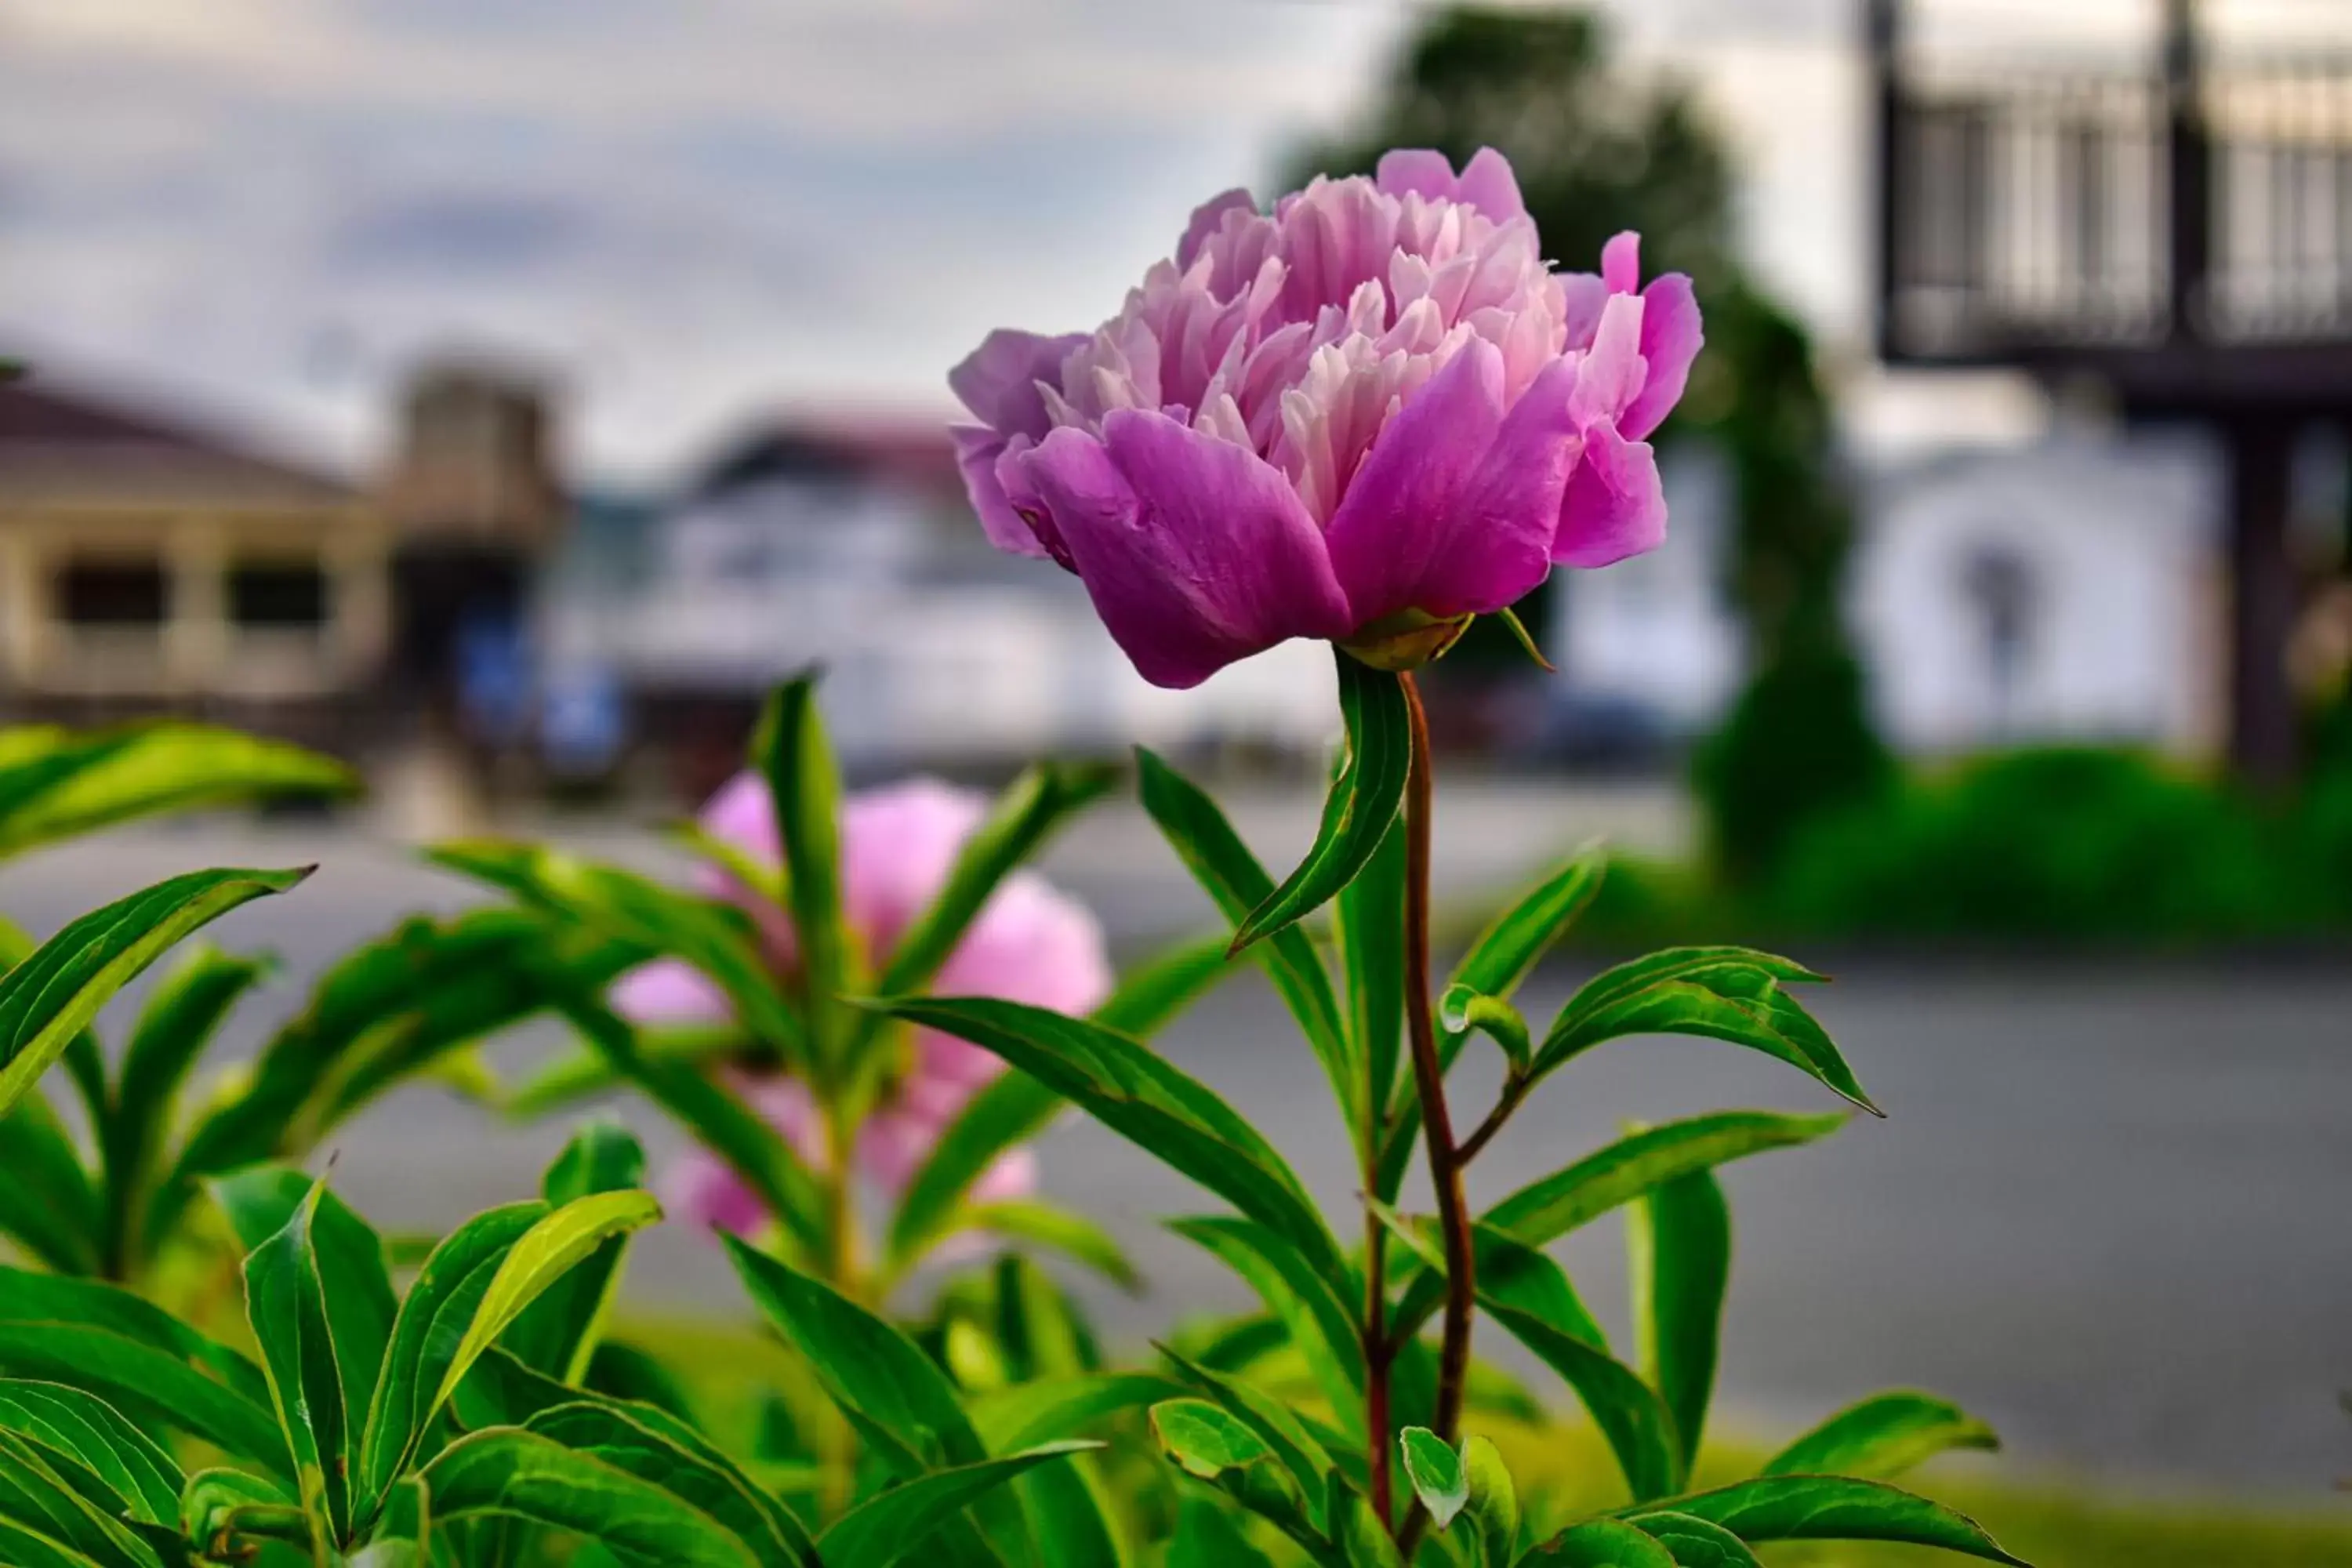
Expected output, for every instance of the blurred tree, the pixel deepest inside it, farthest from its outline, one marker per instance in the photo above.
(1598, 151)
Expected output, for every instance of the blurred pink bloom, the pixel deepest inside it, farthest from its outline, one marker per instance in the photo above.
(1378, 400)
(1030, 942)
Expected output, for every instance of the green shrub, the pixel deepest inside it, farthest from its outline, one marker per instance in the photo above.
(2063, 842)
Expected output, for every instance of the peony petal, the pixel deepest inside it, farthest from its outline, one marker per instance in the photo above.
(1415, 169)
(1400, 526)
(1030, 943)
(1671, 337)
(1621, 262)
(701, 1189)
(898, 843)
(741, 812)
(1488, 185)
(1012, 1175)
(977, 450)
(1583, 296)
(1614, 506)
(669, 991)
(1612, 372)
(1196, 553)
(1207, 218)
(998, 380)
(1512, 508)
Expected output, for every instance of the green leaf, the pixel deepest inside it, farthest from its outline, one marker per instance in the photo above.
(29, 1298)
(349, 1260)
(1602, 1543)
(1724, 994)
(216, 1504)
(51, 996)
(1466, 1008)
(557, 1333)
(656, 1448)
(440, 1307)
(715, 938)
(1696, 1544)
(1680, 1236)
(1364, 1539)
(286, 1302)
(29, 1548)
(584, 1073)
(1061, 1230)
(1277, 1425)
(181, 1014)
(1507, 1270)
(790, 751)
(866, 1366)
(521, 1475)
(54, 1494)
(146, 1382)
(1833, 1508)
(1638, 1426)
(1142, 1098)
(391, 1007)
(1206, 1537)
(133, 1465)
(1366, 797)
(1013, 1108)
(1024, 1415)
(1368, 929)
(750, 1144)
(886, 1529)
(1069, 1518)
(1549, 1208)
(47, 1204)
(1437, 1474)
(1881, 1437)
(551, 1248)
(55, 784)
(1507, 950)
(1157, 989)
(1494, 1502)
(1208, 1442)
(1039, 802)
(1197, 830)
(1309, 1302)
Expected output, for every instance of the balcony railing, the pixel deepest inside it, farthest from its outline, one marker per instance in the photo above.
(2034, 211)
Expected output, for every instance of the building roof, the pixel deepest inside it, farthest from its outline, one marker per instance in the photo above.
(61, 444)
(910, 452)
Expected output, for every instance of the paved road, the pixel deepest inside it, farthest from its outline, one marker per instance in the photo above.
(2112, 1210)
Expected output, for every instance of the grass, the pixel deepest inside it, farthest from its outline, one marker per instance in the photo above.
(1564, 1472)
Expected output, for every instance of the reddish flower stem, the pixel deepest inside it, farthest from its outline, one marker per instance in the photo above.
(1429, 1083)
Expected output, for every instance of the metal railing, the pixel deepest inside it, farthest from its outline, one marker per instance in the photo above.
(2032, 208)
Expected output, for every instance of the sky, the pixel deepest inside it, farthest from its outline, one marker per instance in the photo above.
(690, 214)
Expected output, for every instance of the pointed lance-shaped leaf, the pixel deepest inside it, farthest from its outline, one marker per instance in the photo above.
(47, 1000)
(1366, 795)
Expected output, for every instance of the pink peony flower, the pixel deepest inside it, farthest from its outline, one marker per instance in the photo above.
(1030, 942)
(1375, 409)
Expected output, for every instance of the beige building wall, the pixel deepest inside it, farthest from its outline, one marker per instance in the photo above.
(198, 650)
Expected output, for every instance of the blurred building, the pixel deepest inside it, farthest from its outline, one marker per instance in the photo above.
(149, 563)
(2069, 590)
(474, 507)
(851, 546)
(2172, 227)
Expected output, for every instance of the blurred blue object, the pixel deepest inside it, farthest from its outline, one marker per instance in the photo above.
(494, 683)
(582, 722)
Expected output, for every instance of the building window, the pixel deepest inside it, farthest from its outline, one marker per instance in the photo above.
(112, 592)
(277, 594)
